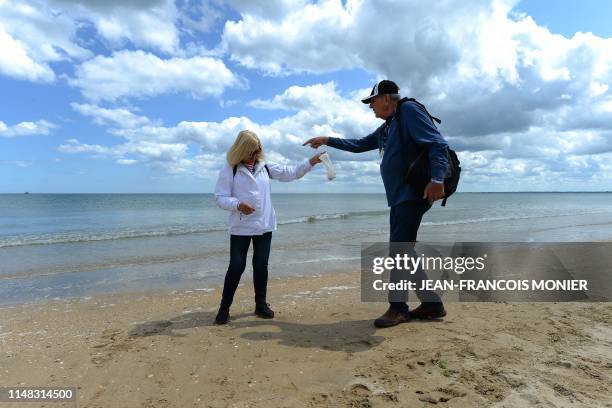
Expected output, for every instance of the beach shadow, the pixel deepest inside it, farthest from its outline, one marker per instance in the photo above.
(344, 335)
(184, 321)
(348, 335)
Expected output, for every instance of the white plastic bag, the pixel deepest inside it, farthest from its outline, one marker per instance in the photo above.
(331, 172)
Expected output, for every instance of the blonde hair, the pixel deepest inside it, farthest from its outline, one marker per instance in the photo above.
(244, 146)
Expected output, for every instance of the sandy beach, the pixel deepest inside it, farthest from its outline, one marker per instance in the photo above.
(160, 349)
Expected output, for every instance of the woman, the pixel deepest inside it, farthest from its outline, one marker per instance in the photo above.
(243, 188)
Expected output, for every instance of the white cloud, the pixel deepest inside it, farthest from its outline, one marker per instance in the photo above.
(270, 9)
(19, 163)
(281, 46)
(199, 16)
(299, 97)
(516, 100)
(321, 111)
(74, 146)
(120, 117)
(145, 23)
(129, 153)
(500, 72)
(529, 160)
(15, 61)
(41, 127)
(32, 35)
(127, 162)
(139, 74)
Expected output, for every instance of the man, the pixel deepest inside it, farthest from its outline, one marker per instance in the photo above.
(407, 208)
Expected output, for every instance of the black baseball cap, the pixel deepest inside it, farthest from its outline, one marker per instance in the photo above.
(383, 87)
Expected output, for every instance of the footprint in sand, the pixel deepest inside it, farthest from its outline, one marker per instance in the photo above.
(110, 342)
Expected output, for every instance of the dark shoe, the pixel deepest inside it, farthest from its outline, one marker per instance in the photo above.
(222, 316)
(429, 311)
(263, 310)
(392, 317)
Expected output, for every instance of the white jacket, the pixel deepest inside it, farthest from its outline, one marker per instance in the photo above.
(253, 189)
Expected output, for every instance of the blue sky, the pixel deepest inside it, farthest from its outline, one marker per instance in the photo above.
(147, 95)
(568, 17)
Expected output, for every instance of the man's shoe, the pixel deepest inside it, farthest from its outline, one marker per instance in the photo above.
(263, 310)
(222, 316)
(428, 311)
(392, 317)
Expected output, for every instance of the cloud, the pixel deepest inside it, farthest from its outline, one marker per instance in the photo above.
(516, 100)
(118, 117)
(109, 5)
(15, 61)
(500, 73)
(298, 98)
(527, 160)
(320, 110)
(131, 152)
(271, 9)
(32, 36)
(41, 127)
(139, 74)
(24, 164)
(144, 23)
(198, 16)
(282, 47)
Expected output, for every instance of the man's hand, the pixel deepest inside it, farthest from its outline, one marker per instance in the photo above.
(433, 192)
(315, 142)
(315, 159)
(245, 208)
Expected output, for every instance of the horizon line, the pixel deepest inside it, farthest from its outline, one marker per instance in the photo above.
(298, 193)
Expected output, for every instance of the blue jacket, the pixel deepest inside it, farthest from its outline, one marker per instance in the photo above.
(419, 132)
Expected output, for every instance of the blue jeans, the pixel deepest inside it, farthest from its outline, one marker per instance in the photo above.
(404, 220)
(239, 246)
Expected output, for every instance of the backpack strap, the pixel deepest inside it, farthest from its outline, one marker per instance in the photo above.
(421, 150)
(235, 169)
(401, 130)
(420, 105)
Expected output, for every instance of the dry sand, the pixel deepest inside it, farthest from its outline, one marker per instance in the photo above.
(161, 350)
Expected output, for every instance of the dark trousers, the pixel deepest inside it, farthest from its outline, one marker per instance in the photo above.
(404, 220)
(239, 246)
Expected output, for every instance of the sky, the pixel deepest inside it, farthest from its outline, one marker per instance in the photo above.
(146, 96)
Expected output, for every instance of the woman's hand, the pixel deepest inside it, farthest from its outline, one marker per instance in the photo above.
(245, 208)
(315, 142)
(315, 159)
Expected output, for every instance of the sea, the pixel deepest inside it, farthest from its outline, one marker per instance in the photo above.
(58, 246)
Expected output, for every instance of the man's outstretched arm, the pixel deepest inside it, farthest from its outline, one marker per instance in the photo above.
(364, 144)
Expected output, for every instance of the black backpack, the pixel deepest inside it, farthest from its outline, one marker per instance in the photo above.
(417, 175)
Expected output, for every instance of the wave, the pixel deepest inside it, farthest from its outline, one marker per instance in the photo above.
(505, 218)
(333, 216)
(84, 237)
(79, 237)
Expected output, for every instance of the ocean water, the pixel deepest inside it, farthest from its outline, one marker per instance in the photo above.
(58, 246)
